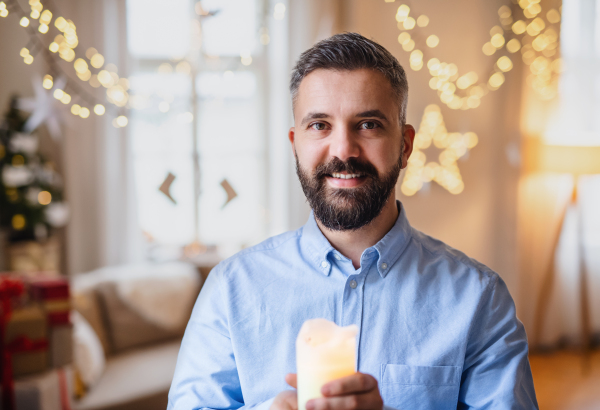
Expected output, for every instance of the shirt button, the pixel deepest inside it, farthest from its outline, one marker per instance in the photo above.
(325, 264)
(336, 256)
(353, 284)
(384, 266)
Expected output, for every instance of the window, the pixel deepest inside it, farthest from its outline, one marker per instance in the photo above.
(196, 81)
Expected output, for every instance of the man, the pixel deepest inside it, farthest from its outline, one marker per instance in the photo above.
(437, 330)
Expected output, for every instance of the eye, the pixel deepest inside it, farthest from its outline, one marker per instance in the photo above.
(369, 125)
(318, 126)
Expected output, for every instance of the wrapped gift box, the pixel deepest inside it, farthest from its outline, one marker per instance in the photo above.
(53, 296)
(27, 325)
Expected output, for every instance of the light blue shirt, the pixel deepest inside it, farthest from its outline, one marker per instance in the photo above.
(437, 329)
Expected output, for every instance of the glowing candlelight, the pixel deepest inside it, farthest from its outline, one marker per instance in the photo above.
(324, 352)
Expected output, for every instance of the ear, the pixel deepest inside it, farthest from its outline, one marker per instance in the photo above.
(291, 137)
(409, 139)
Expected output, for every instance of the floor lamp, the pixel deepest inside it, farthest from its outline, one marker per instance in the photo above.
(576, 161)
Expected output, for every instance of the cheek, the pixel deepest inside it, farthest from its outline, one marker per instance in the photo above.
(311, 153)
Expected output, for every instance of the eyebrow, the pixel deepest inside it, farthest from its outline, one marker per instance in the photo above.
(365, 114)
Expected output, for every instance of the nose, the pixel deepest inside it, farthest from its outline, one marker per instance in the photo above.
(344, 144)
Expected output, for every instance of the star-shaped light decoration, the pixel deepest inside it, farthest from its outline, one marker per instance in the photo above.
(454, 146)
(44, 108)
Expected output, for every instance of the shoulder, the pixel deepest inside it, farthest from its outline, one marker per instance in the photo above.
(273, 248)
(451, 261)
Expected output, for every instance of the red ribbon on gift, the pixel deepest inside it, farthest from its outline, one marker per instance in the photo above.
(10, 289)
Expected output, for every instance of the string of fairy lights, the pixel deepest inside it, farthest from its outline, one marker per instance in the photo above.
(535, 36)
(537, 39)
(65, 46)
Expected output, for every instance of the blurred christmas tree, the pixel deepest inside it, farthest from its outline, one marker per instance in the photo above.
(30, 188)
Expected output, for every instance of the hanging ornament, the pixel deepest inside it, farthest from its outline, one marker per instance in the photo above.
(229, 190)
(453, 145)
(166, 186)
(45, 107)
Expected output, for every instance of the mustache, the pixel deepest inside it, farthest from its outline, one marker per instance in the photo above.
(352, 166)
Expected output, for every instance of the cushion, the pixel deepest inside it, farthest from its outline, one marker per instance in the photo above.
(86, 303)
(126, 327)
(140, 378)
(88, 354)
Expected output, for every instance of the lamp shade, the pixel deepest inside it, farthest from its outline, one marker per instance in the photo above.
(567, 159)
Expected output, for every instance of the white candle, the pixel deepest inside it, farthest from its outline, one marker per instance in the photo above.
(324, 352)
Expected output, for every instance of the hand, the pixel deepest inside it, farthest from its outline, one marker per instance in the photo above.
(356, 392)
(286, 400)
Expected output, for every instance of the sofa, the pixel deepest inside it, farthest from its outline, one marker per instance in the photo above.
(128, 329)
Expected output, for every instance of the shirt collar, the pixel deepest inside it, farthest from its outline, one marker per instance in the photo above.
(389, 248)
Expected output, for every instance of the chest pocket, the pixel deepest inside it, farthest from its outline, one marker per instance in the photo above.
(420, 387)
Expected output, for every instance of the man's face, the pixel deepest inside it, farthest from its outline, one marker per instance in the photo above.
(349, 145)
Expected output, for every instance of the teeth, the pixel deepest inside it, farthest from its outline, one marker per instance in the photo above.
(345, 176)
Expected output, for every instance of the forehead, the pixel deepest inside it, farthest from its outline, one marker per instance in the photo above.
(345, 91)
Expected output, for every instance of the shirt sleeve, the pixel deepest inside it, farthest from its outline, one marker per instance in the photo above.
(206, 375)
(496, 372)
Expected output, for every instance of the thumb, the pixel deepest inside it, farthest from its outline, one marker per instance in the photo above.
(291, 379)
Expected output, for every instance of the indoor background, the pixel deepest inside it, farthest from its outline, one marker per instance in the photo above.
(155, 144)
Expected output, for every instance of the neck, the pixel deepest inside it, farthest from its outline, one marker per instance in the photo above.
(352, 244)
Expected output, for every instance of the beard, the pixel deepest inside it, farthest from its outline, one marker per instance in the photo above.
(347, 209)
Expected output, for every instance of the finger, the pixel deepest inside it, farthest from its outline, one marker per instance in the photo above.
(287, 400)
(292, 380)
(356, 383)
(349, 402)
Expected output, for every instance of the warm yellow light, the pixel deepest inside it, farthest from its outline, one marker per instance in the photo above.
(47, 82)
(53, 47)
(422, 21)
(97, 60)
(44, 198)
(122, 121)
(409, 23)
(34, 14)
(432, 41)
(404, 38)
(402, 13)
(24, 52)
(58, 93)
(24, 22)
(28, 59)
(105, 78)
(2, 5)
(61, 23)
(513, 45)
(553, 16)
(504, 12)
(99, 109)
(488, 49)
(43, 28)
(519, 27)
(416, 56)
(85, 75)
(409, 45)
(84, 113)
(18, 222)
(416, 66)
(3, 13)
(497, 40)
(18, 160)
(246, 59)
(183, 67)
(496, 80)
(504, 63)
(75, 109)
(90, 52)
(80, 65)
(65, 99)
(46, 17)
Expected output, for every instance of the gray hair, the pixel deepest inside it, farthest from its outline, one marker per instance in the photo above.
(351, 51)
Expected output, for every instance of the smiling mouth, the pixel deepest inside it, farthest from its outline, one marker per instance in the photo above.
(346, 176)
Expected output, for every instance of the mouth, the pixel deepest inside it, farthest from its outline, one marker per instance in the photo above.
(346, 176)
(339, 180)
